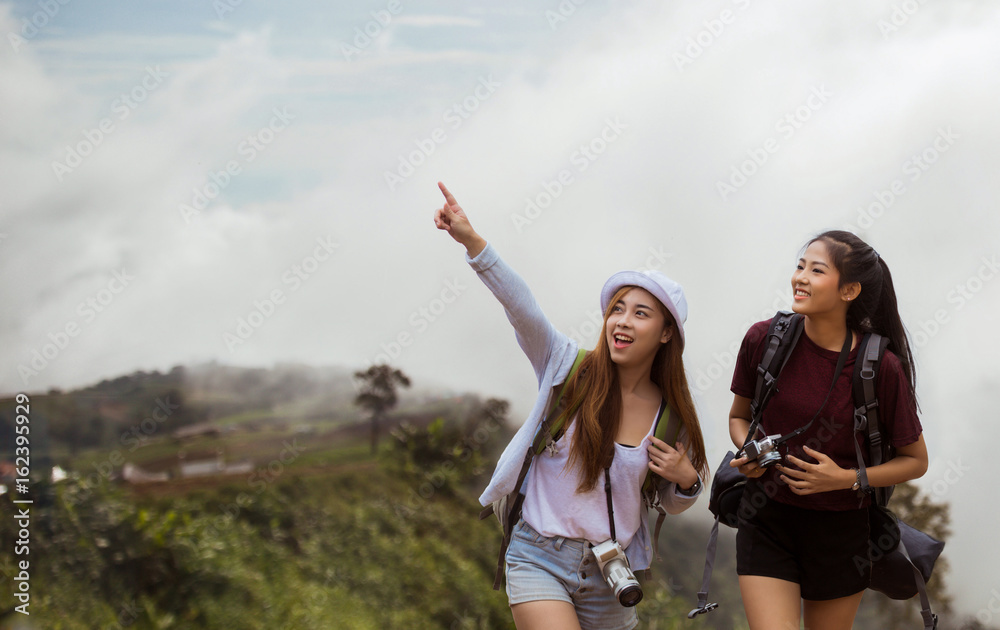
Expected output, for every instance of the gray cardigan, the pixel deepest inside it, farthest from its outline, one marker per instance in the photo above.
(551, 354)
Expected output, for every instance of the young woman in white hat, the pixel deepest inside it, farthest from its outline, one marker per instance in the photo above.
(553, 581)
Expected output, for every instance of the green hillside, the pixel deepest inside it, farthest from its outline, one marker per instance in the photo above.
(315, 531)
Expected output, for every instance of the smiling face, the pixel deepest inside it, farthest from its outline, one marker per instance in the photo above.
(636, 327)
(816, 283)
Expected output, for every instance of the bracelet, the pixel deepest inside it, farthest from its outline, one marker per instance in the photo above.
(857, 482)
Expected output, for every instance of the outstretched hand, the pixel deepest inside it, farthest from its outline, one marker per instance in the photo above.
(453, 220)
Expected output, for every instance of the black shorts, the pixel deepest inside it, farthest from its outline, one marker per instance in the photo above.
(825, 552)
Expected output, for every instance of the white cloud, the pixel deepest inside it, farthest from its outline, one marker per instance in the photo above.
(653, 186)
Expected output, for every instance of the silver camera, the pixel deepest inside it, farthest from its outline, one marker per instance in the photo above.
(764, 450)
(617, 572)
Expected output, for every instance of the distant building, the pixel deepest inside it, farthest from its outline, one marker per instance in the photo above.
(202, 429)
(215, 466)
(133, 474)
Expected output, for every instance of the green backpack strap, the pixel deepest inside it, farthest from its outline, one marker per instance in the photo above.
(667, 424)
(556, 420)
(508, 508)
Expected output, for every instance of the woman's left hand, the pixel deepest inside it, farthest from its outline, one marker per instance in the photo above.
(672, 463)
(823, 476)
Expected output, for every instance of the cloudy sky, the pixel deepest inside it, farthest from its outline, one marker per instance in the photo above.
(188, 181)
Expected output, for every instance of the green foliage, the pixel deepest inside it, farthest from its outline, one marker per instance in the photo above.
(359, 543)
(440, 455)
(350, 550)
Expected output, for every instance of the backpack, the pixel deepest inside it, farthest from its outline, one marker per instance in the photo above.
(507, 508)
(894, 573)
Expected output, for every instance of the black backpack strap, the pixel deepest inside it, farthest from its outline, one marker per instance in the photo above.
(929, 618)
(782, 335)
(866, 416)
(703, 604)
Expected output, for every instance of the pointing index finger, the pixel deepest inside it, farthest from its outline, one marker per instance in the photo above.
(447, 194)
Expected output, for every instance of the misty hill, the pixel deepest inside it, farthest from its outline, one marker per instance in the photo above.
(141, 405)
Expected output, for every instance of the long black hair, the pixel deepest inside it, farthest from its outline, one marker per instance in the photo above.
(875, 309)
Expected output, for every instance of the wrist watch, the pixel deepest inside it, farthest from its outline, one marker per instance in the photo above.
(693, 490)
(857, 482)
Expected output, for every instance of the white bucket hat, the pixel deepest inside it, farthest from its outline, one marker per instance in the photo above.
(670, 293)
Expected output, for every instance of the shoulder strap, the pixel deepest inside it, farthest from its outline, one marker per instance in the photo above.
(515, 498)
(782, 335)
(666, 424)
(553, 424)
(866, 417)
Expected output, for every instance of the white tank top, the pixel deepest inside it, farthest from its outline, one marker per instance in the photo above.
(553, 507)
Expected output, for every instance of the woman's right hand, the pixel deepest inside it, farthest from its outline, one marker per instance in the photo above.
(452, 219)
(750, 469)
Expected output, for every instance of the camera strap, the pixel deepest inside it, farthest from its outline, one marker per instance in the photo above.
(759, 412)
(841, 362)
(611, 509)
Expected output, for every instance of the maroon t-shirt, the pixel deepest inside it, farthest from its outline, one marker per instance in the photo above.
(801, 388)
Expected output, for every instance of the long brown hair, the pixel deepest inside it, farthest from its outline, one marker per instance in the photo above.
(595, 391)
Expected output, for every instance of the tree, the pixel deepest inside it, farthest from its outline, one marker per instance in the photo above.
(378, 394)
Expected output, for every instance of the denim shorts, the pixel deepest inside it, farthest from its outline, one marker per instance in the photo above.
(563, 569)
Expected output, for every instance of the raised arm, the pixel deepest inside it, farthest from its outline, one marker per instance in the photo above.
(539, 340)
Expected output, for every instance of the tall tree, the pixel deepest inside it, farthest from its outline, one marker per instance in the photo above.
(378, 394)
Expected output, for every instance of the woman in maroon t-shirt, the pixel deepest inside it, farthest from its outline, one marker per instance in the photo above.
(802, 541)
